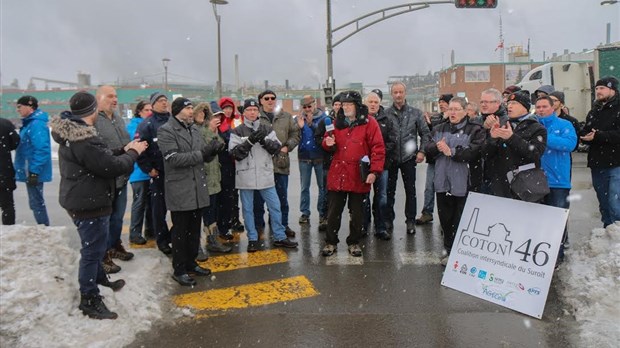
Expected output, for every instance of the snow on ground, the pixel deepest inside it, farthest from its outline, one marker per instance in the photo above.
(39, 293)
(591, 286)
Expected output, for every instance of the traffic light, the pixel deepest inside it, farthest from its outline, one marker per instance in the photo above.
(329, 95)
(475, 3)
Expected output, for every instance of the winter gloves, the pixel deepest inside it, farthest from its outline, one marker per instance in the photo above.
(33, 179)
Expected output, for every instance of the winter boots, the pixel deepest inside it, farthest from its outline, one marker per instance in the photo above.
(213, 244)
(93, 306)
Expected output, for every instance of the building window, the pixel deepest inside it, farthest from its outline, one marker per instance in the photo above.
(477, 73)
(453, 77)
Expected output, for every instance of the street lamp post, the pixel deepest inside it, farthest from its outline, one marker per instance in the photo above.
(165, 62)
(219, 45)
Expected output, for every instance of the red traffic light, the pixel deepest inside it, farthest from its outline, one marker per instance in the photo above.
(475, 3)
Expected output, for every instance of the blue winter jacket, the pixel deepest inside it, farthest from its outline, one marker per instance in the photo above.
(555, 161)
(34, 153)
(137, 174)
(308, 148)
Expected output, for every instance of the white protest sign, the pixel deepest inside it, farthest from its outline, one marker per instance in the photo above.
(505, 252)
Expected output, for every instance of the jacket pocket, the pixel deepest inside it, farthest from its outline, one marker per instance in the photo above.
(282, 160)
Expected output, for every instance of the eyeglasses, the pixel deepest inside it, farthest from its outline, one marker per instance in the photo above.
(269, 98)
(455, 110)
(488, 101)
(307, 106)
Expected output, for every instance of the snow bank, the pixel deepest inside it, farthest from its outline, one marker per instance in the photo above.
(39, 292)
(591, 285)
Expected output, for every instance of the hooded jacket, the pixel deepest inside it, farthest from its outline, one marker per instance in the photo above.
(525, 146)
(360, 138)
(88, 168)
(287, 131)
(34, 152)
(605, 147)
(556, 161)
(410, 124)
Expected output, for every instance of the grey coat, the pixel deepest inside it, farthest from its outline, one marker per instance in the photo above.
(114, 134)
(185, 180)
(410, 124)
(253, 162)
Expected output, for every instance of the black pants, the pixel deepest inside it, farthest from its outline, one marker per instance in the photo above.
(408, 173)
(7, 204)
(185, 239)
(158, 206)
(449, 208)
(337, 200)
(227, 199)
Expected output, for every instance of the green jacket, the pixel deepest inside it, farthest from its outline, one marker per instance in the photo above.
(212, 168)
(287, 132)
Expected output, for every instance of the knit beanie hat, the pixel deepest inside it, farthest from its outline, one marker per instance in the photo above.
(155, 96)
(249, 102)
(607, 81)
(180, 104)
(378, 92)
(559, 95)
(83, 104)
(28, 100)
(521, 97)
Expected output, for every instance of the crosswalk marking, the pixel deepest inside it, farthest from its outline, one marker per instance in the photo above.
(249, 295)
(222, 263)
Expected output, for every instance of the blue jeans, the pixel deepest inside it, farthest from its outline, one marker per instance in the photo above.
(558, 197)
(379, 204)
(407, 170)
(270, 197)
(37, 203)
(93, 239)
(429, 190)
(305, 172)
(606, 182)
(119, 205)
(259, 204)
(140, 209)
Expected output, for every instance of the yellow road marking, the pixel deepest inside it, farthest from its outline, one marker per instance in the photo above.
(231, 262)
(249, 295)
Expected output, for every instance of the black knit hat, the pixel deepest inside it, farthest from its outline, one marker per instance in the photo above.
(249, 102)
(521, 97)
(155, 96)
(446, 97)
(265, 92)
(559, 95)
(607, 81)
(83, 104)
(179, 104)
(28, 100)
(378, 92)
(336, 98)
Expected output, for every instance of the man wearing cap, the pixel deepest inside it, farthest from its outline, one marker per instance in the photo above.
(287, 132)
(33, 158)
(602, 133)
(185, 152)
(152, 163)
(112, 130)
(253, 145)
(429, 190)
(88, 172)
(522, 140)
(311, 157)
(410, 124)
(9, 139)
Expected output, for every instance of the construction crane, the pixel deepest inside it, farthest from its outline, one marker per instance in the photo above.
(31, 84)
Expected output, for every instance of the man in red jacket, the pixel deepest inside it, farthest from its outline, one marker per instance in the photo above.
(359, 155)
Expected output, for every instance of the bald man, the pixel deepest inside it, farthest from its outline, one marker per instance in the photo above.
(112, 130)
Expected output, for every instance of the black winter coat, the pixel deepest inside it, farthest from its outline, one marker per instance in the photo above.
(9, 139)
(605, 147)
(389, 133)
(147, 130)
(527, 145)
(88, 168)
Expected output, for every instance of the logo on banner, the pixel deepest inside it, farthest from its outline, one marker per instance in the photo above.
(494, 240)
(495, 294)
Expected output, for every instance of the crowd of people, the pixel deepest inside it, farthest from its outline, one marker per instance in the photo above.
(198, 163)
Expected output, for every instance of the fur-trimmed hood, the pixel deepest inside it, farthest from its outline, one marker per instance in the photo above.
(68, 129)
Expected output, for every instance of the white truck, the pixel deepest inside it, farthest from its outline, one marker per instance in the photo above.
(576, 79)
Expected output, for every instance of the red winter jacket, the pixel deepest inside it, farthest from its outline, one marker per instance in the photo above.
(362, 137)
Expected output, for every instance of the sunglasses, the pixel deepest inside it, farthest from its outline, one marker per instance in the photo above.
(269, 98)
(307, 106)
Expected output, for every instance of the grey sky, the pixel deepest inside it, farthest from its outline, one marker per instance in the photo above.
(276, 39)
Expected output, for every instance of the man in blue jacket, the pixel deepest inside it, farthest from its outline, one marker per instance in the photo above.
(555, 161)
(33, 158)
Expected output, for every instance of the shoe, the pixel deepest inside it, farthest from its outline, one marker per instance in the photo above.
(200, 271)
(165, 248)
(119, 252)
(285, 243)
(215, 246)
(323, 224)
(139, 240)
(389, 227)
(93, 306)
(253, 246)
(109, 267)
(304, 219)
(202, 255)
(410, 228)
(355, 250)
(115, 285)
(424, 219)
(184, 279)
(290, 233)
(149, 235)
(444, 261)
(329, 250)
(237, 226)
(383, 235)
